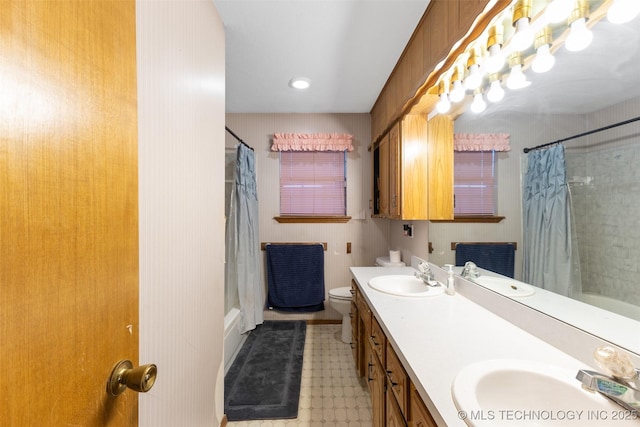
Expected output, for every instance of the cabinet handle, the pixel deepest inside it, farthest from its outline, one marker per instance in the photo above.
(389, 375)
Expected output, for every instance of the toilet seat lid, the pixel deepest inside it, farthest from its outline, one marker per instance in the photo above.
(341, 293)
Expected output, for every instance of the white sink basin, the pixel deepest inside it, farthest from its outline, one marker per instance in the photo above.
(406, 286)
(527, 393)
(505, 286)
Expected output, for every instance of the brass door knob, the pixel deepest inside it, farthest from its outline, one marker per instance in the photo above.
(124, 375)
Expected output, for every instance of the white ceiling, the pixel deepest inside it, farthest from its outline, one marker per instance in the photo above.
(348, 48)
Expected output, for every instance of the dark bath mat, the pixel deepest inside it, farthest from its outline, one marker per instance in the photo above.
(264, 379)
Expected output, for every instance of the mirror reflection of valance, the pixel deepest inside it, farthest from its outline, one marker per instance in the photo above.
(481, 142)
(312, 142)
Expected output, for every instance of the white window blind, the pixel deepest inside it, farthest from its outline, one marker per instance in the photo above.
(312, 183)
(474, 183)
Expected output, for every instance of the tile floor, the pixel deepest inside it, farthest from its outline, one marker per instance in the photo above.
(331, 394)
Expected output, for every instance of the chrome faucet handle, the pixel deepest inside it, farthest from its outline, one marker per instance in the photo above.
(425, 272)
(615, 363)
(470, 270)
(619, 382)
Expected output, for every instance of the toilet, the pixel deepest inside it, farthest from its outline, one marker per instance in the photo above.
(340, 300)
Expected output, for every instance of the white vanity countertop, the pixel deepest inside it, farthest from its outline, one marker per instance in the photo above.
(436, 337)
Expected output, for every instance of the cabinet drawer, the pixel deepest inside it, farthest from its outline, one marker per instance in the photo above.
(378, 340)
(398, 380)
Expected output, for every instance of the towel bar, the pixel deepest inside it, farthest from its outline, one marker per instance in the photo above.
(515, 244)
(263, 245)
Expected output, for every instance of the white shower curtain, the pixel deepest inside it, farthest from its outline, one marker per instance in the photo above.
(243, 248)
(550, 254)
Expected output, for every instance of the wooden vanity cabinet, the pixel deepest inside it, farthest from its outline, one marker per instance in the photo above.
(398, 381)
(378, 340)
(395, 401)
(394, 416)
(419, 415)
(355, 323)
(377, 387)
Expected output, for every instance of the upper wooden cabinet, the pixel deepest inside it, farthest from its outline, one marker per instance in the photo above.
(413, 170)
(442, 25)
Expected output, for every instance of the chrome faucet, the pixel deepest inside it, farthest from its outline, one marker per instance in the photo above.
(620, 383)
(470, 270)
(425, 273)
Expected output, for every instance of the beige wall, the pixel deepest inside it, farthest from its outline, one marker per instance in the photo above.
(368, 237)
(180, 49)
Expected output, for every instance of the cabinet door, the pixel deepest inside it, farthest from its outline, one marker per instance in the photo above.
(383, 184)
(394, 416)
(378, 340)
(376, 381)
(398, 380)
(440, 145)
(419, 415)
(415, 173)
(395, 184)
(354, 333)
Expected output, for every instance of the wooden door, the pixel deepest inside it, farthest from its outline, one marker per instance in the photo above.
(68, 211)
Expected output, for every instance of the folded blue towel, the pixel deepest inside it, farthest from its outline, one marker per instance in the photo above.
(295, 277)
(499, 258)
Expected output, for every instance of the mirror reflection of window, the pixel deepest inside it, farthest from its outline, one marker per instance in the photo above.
(474, 183)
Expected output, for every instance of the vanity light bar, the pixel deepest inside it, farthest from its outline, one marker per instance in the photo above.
(484, 58)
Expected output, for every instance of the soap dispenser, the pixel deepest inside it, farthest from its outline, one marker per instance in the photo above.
(450, 288)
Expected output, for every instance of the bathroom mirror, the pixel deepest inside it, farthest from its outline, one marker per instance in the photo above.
(585, 90)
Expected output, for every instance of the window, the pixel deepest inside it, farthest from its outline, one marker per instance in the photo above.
(313, 183)
(474, 183)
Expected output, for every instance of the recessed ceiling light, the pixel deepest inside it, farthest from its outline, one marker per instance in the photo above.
(300, 83)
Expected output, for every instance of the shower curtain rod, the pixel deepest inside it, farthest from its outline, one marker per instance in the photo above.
(526, 150)
(238, 138)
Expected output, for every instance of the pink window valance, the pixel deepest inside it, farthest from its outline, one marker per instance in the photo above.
(481, 142)
(312, 142)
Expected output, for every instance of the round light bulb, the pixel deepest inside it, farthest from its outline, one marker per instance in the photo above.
(300, 83)
(523, 37)
(474, 79)
(543, 61)
(517, 79)
(457, 92)
(558, 10)
(495, 61)
(622, 11)
(495, 92)
(580, 36)
(478, 105)
(443, 105)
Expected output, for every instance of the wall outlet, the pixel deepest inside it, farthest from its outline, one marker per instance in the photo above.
(408, 230)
